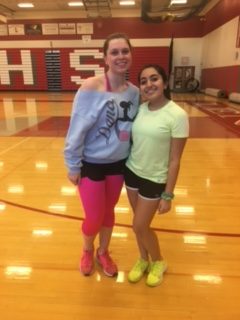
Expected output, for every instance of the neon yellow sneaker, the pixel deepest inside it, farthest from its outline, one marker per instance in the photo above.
(156, 272)
(138, 270)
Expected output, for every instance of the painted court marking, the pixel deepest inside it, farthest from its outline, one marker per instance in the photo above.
(14, 146)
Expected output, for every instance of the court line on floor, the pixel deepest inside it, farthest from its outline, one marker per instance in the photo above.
(175, 231)
(15, 145)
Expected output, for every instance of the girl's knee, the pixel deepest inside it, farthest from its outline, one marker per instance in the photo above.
(90, 229)
(109, 219)
(140, 229)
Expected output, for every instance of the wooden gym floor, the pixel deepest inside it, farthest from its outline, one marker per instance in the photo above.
(40, 220)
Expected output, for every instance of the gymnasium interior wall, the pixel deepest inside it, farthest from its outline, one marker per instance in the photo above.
(62, 61)
(38, 62)
(221, 58)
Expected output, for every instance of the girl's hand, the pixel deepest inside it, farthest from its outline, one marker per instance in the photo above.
(164, 206)
(74, 178)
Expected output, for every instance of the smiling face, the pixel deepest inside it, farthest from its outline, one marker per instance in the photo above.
(152, 85)
(118, 55)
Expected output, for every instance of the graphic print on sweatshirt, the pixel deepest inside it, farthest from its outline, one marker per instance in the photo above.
(114, 120)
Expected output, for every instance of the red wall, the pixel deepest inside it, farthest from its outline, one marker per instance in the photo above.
(37, 63)
(224, 11)
(16, 77)
(135, 28)
(226, 78)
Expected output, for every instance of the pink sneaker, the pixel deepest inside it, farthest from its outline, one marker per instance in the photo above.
(107, 264)
(86, 263)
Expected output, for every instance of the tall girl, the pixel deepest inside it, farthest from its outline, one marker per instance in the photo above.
(97, 145)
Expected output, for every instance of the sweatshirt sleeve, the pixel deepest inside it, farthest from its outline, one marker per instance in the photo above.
(86, 107)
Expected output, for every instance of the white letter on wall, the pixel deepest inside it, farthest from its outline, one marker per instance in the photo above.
(75, 63)
(25, 67)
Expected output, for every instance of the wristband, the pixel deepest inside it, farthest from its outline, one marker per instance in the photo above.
(167, 196)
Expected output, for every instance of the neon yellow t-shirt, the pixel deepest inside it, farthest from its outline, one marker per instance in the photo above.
(151, 133)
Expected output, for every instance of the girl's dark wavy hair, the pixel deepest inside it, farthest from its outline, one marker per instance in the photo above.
(162, 73)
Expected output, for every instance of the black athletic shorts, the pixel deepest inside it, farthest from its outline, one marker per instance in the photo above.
(98, 171)
(146, 188)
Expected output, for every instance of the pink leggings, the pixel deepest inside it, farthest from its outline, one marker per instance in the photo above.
(99, 199)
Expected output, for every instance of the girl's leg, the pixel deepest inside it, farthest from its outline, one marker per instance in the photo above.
(144, 213)
(105, 235)
(133, 199)
(93, 200)
(113, 189)
(113, 186)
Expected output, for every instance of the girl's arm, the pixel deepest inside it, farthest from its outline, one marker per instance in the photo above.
(176, 150)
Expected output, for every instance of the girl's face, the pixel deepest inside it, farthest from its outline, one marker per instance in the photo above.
(118, 57)
(152, 85)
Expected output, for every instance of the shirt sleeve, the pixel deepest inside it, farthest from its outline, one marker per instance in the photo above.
(86, 107)
(181, 125)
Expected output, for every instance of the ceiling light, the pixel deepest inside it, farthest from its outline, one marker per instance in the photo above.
(178, 1)
(75, 4)
(127, 3)
(25, 5)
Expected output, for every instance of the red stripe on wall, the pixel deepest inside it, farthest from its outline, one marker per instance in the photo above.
(225, 78)
(37, 66)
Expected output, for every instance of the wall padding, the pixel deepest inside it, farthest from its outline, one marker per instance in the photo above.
(234, 97)
(219, 93)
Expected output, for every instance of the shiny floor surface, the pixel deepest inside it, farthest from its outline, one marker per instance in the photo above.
(40, 220)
